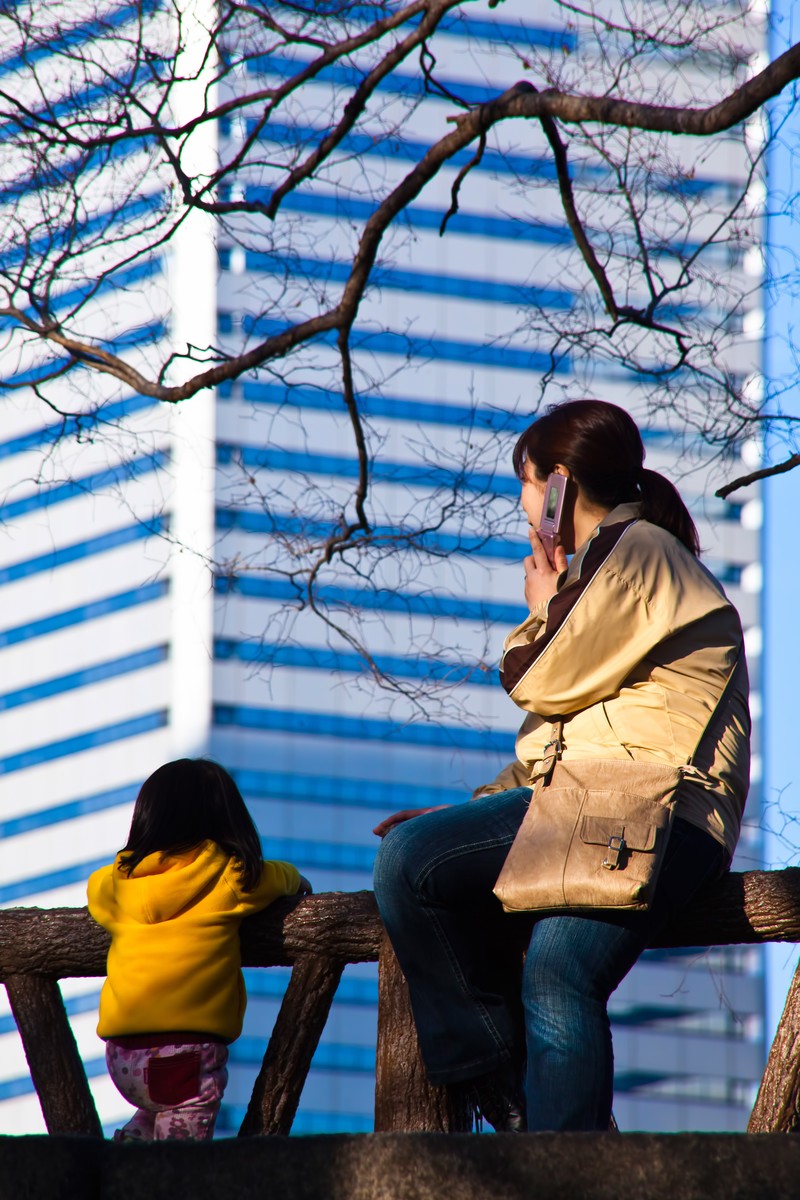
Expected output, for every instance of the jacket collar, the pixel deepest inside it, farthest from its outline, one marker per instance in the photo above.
(630, 511)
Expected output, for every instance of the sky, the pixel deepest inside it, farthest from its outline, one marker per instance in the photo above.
(781, 743)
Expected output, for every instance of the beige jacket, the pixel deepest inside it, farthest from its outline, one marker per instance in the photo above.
(634, 652)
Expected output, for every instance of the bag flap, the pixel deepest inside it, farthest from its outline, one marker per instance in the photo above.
(596, 831)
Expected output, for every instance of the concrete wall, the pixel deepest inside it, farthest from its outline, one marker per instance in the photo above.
(408, 1167)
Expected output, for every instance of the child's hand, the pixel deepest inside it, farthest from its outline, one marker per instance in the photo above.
(305, 888)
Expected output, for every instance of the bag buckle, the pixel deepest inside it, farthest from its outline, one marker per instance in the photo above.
(550, 756)
(616, 845)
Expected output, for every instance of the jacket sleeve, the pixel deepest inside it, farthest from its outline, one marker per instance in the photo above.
(98, 893)
(515, 775)
(277, 879)
(599, 627)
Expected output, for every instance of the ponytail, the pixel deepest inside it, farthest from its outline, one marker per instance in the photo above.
(662, 505)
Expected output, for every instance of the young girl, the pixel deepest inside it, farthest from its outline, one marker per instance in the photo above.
(173, 901)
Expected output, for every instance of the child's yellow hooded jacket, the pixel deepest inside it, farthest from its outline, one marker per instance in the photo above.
(174, 964)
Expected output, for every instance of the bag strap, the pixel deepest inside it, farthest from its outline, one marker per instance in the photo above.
(553, 749)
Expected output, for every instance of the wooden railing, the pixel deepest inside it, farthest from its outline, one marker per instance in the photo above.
(317, 936)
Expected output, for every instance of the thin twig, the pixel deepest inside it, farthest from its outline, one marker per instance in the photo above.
(462, 174)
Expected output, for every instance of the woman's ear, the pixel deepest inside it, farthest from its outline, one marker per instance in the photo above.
(560, 469)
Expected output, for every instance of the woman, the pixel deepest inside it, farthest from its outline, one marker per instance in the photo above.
(632, 644)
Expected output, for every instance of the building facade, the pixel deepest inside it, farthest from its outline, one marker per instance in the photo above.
(151, 608)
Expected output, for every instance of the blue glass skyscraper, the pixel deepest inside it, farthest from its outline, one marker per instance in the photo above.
(152, 606)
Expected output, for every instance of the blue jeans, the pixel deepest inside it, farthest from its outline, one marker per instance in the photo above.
(476, 1006)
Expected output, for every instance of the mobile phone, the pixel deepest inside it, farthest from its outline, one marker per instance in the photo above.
(552, 508)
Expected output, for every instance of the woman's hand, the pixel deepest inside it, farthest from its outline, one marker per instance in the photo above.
(541, 576)
(405, 815)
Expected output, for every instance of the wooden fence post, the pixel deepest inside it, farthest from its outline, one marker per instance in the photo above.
(777, 1106)
(301, 1020)
(55, 1065)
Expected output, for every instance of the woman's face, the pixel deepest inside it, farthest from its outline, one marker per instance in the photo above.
(532, 497)
(532, 501)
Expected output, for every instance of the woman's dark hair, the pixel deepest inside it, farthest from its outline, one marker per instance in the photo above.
(189, 801)
(602, 447)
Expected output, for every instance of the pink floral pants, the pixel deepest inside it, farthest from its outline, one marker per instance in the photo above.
(176, 1088)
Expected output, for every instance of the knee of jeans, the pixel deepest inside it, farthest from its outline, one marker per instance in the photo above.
(395, 861)
(388, 864)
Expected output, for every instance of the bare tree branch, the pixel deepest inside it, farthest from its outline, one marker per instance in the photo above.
(523, 100)
(697, 122)
(573, 220)
(753, 477)
(331, 163)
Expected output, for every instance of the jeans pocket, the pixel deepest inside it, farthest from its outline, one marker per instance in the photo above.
(173, 1079)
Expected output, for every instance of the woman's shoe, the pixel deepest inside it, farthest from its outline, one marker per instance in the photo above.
(499, 1099)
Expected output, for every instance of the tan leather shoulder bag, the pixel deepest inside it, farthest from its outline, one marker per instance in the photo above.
(595, 832)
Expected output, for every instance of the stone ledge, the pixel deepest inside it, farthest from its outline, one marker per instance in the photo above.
(408, 1167)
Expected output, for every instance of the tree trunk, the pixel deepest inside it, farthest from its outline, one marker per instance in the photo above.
(55, 1065)
(301, 1020)
(405, 1101)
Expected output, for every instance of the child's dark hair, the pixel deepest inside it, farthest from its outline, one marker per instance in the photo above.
(187, 802)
